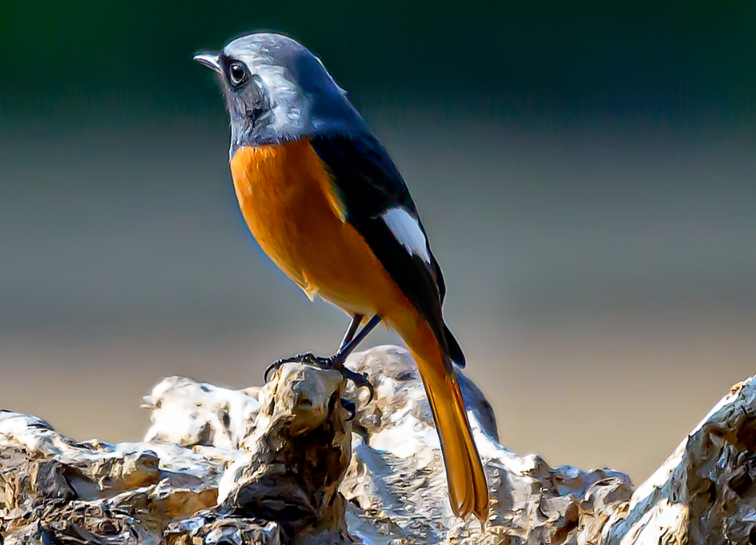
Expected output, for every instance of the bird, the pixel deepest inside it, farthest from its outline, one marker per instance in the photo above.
(326, 203)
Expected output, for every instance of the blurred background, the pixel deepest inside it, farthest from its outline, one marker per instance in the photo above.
(586, 171)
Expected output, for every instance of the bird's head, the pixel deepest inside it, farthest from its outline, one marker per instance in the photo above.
(276, 90)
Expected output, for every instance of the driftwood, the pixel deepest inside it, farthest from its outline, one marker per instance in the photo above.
(284, 464)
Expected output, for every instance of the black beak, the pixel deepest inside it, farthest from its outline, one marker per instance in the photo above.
(210, 60)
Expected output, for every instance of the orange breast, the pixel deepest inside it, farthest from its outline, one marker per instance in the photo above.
(287, 199)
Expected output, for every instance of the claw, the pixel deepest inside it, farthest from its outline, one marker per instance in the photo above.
(272, 367)
(360, 380)
(350, 407)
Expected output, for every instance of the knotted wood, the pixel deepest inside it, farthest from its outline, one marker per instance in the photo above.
(283, 464)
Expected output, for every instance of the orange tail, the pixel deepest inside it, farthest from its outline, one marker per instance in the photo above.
(468, 490)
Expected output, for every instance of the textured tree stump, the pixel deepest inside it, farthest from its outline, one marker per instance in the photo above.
(283, 464)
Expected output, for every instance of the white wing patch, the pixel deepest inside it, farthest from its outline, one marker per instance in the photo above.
(405, 227)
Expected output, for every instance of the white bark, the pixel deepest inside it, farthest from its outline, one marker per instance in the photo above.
(282, 464)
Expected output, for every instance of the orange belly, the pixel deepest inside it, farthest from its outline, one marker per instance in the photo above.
(287, 200)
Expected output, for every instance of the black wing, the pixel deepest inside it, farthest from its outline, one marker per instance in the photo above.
(369, 184)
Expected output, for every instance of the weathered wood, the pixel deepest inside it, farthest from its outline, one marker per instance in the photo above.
(284, 464)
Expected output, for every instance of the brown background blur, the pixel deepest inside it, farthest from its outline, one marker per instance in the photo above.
(586, 174)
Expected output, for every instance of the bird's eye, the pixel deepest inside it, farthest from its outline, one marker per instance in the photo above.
(237, 73)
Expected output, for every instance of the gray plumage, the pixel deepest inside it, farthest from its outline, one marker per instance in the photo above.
(288, 93)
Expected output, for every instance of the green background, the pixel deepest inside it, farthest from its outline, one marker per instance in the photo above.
(686, 61)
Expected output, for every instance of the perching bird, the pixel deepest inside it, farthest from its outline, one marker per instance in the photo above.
(326, 203)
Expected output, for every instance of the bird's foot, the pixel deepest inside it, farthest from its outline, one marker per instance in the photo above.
(335, 362)
(307, 357)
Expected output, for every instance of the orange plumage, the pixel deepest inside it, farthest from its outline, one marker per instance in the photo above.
(287, 199)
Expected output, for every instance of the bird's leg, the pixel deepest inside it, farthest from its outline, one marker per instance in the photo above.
(352, 338)
(339, 358)
(354, 325)
(347, 348)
